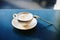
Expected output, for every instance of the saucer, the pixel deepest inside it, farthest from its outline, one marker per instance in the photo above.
(19, 25)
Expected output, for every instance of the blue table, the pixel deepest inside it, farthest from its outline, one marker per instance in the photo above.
(41, 32)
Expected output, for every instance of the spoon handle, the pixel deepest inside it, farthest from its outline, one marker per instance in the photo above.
(45, 21)
(35, 16)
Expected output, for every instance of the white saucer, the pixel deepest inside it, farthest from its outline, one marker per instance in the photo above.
(19, 25)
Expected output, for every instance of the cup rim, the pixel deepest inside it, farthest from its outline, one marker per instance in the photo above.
(31, 17)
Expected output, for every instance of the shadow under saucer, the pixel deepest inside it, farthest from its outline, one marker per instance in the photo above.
(40, 32)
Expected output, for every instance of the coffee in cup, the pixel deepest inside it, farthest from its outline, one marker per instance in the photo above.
(23, 16)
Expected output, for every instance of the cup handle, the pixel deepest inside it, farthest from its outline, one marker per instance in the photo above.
(14, 15)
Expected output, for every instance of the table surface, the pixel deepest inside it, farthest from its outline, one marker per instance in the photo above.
(41, 32)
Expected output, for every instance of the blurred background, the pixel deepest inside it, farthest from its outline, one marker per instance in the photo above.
(58, 25)
(29, 4)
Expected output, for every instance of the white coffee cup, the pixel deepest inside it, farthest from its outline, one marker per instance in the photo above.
(25, 23)
(23, 16)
